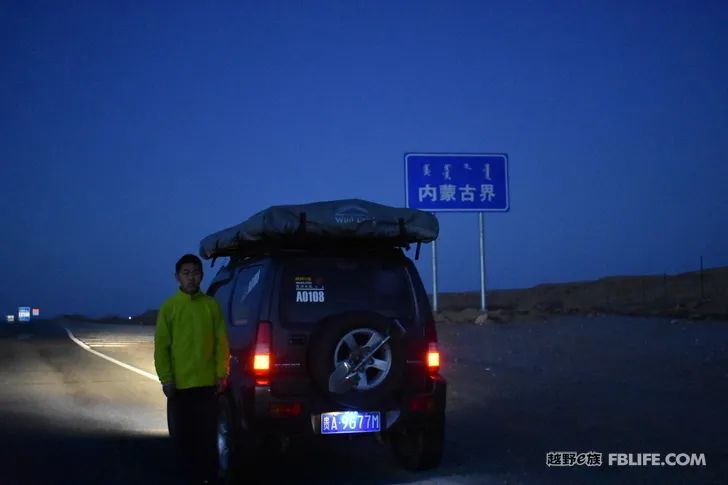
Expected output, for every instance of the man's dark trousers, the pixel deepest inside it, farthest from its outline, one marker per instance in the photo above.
(192, 421)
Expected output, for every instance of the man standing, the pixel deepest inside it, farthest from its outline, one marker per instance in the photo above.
(191, 357)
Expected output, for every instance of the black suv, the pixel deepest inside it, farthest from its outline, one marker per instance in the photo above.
(325, 341)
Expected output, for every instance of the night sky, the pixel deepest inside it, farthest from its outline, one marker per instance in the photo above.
(131, 130)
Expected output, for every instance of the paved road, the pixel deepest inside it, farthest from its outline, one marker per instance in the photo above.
(67, 416)
(604, 384)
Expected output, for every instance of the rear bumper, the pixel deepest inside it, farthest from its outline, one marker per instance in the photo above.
(266, 414)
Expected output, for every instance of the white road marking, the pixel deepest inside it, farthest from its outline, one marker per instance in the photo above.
(117, 340)
(81, 344)
(121, 339)
(109, 345)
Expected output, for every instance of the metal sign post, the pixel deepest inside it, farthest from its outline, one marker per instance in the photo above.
(457, 182)
(434, 276)
(481, 219)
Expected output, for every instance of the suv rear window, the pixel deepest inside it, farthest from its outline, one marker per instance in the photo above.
(314, 288)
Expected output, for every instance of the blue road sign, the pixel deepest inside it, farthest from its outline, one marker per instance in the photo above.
(442, 182)
(24, 314)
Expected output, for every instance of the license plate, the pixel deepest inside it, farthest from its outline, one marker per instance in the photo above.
(344, 422)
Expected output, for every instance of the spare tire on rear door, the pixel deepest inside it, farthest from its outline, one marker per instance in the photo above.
(354, 335)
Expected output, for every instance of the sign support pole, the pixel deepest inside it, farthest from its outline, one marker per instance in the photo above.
(434, 276)
(481, 219)
(431, 184)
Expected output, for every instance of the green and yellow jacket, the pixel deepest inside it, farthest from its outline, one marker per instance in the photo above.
(190, 342)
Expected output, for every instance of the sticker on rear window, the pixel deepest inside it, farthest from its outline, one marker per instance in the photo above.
(309, 290)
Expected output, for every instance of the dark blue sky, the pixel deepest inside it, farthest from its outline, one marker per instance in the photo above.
(131, 130)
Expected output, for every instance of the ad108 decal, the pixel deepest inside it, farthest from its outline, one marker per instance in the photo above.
(309, 290)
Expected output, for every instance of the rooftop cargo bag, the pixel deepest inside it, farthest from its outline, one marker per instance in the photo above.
(321, 222)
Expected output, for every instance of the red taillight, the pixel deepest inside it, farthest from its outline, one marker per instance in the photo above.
(433, 357)
(261, 363)
(262, 353)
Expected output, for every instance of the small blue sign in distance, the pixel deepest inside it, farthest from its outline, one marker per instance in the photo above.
(452, 182)
(24, 314)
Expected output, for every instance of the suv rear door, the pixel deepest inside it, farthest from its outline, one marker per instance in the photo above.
(312, 288)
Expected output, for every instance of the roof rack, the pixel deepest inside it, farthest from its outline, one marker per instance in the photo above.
(321, 250)
(346, 223)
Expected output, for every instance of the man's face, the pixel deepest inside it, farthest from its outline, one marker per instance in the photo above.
(189, 278)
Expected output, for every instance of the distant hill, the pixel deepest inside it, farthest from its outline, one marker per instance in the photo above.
(677, 296)
(149, 317)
